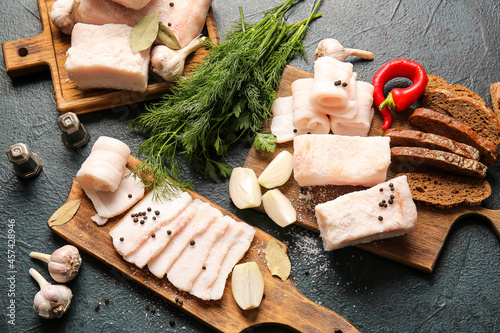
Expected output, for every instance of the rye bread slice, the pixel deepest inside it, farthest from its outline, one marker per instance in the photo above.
(411, 138)
(415, 158)
(446, 191)
(441, 124)
(495, 98)
(464, 105)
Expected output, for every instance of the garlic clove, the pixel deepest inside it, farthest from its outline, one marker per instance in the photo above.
(52, 301)
(279, 208)
(330, 47)
(278, 171)
(247, 284)
(244, 188)
(65, 14)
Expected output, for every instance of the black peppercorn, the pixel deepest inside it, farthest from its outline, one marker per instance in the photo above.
(391, 201)
(380, 218)
(169, 232)
(130, 195)
(145, 217)
(136, 219)
(381, 189)
(153, 235)
(142, 221)
(204, 267)
(171, 4)
(392, 197)
(121, 239)
(149, 209)
(157, 212)
(171, 322)
(154, 218)
(192, 242)
(153, 310)
(338, 83)
(306, 272)
(96, 307)
(106, 300)
(344, 84)
(294, 130)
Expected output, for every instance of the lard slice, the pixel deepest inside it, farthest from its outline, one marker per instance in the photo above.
(340, 160)
(202, 284)
(100, 57)
(133, 4)
(203, 219)
(190, 263)
(110, 204)
(354, 218)
(235, 253)
(155, 245)
(134, 233)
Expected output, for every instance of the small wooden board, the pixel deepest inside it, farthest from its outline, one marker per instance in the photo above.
(283, 304)
(48, 51)
(420, 248)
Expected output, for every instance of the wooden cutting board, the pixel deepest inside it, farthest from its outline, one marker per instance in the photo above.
(420, 248)
(48, 51)
(283, 303)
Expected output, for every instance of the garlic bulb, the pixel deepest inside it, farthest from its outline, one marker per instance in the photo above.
(65, 14)
(244, 188)
(51, 301)
(279, 208)
(64, 263)
(332, 48)
(169, 63)
(247, 284)
(278, 171)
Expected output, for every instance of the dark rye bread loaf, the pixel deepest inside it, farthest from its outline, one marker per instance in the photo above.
(444, 125)
(416, 158)
(411, 138)
(446, 191)
(462, 104)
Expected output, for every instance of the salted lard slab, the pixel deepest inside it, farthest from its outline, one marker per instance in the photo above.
(203, 219)
(133, 4)
(135, 228)
(340, 160)
(383, 211)
(100, 57)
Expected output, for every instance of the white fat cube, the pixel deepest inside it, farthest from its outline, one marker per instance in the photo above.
(100, 57)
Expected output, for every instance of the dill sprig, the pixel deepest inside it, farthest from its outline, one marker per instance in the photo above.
(226, 99)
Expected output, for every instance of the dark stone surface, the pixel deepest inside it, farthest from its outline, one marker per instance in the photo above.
(457, 40)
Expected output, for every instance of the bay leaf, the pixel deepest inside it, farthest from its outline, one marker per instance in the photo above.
(167, 37)
(144, 33)
(277, 260)
(65, 213)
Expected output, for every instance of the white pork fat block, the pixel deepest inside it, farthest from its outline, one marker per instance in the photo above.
(100, 57)
(133, 4)
(324, 159)
(383, 211)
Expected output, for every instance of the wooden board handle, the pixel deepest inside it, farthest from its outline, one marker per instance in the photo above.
(493, 216)
(28, 55)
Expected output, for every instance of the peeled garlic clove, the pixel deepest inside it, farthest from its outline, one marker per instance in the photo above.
(330, 47)
(278, 171)
(244, 188)
(279, 208)
(247, 284)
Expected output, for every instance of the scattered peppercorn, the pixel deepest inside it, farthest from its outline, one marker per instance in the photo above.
(111, 331)
(192, 242)
(380, 204)
(157, 212)
(171, 4)
(391, 185)
(181, 302)
(147, 307)
(344, 84)
(153, 235)
(392, 197)
(121, 239)
(130, 195)
(154, 218)
(171, 322)
(106, 300)
(381, 189)
(169, 232)
(308, 132)
(169, 24)
(380, 218)
(392, 188)
(294, 130)
(149, 209)
(391, 201)
(132, 215)
(383, 201)
(142, 222)
(96, 307)
(145, 217)
(153, 310)
(136, 219)
(204, 267)
(338, 83)
(306, 272)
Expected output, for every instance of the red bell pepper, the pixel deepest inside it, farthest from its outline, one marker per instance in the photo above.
(399, 98)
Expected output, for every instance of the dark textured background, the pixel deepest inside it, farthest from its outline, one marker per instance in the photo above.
(458, 40)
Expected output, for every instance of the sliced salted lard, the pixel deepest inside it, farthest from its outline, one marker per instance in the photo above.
(340, 160)
(133, 4)
(191, 262)
(360, 124)
(103, 169)
(385, 210)
(305, 116)
(110, 204)
(155, 244)
(132, 231)
(185, 18)
(100, 57)
(202, 284)
(203, 219)
(235, 253)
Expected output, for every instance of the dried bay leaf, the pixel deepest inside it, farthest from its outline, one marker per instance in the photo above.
(277, 260)
(144, 33)
(65, 213)
(167, 37)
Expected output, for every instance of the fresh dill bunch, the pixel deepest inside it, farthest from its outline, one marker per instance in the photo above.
(226, 99)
